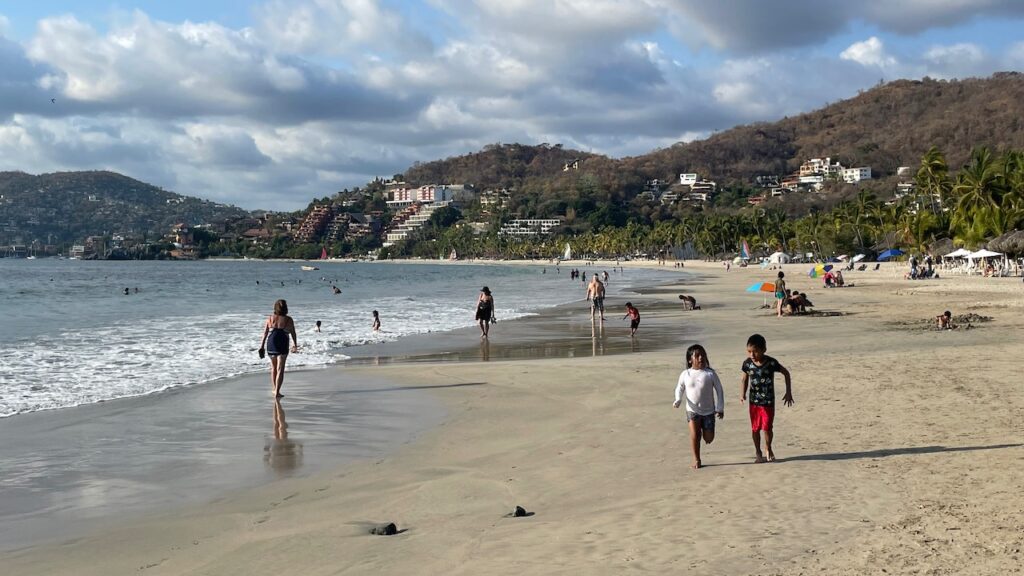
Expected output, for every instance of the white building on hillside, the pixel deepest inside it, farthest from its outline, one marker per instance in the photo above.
(687, 179)
(823, 166)
(529, 227)
(854, 175)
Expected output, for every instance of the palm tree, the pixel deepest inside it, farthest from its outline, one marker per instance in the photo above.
(933, 178)
(976, 188)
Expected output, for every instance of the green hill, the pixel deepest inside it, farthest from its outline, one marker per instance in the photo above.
(886, 127)
(68, 206)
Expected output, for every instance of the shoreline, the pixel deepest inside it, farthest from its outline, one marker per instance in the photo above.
(156, 416)
(873, 470)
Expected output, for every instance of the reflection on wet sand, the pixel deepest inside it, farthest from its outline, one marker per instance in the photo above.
(597, 337)
(280, 453)
(485, 349)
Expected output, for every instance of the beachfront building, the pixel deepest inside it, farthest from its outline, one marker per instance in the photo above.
(314, 225)
(688, 179)
(855, 175)
(529, 227)
(410, 219)
(403, 197)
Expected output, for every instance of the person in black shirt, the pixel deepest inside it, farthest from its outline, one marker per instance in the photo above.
(759, 385)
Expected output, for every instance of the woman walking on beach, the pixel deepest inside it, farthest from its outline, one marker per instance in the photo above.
(275, 343)
(485, 311)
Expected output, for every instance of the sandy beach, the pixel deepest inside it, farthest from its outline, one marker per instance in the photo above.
(902, 455)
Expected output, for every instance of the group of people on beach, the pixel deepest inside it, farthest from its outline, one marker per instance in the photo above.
(700, 387)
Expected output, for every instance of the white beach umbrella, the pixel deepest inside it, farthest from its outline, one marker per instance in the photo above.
(842, 257)
(958, 253)
(858, 257)
(983, 254)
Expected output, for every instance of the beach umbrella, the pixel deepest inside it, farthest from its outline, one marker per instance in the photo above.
(819, 270)
(958, 253)
(983, 254)
(761, 287)
(858, 257)
(842, 257)
(890, 254)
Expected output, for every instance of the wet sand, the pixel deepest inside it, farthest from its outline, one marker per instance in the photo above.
(902, 455)
(71, 472)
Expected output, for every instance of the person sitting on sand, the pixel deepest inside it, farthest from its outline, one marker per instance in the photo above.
(705, 399)
(689, 302)
(798, 303)
(944, 321)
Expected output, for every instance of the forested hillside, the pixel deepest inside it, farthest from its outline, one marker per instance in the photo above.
(67, 206)
(888, 126)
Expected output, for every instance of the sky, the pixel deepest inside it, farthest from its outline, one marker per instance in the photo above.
(269, 104)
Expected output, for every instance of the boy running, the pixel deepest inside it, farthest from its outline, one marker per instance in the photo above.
(759, 375)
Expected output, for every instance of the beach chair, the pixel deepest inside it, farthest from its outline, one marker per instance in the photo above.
(862, 267)
(877, 265)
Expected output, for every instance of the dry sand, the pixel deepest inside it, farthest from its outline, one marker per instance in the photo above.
(903, 455)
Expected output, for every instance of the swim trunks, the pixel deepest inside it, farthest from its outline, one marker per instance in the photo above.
(598, 303)
(761, 418)
(634, 324)
(277, 342)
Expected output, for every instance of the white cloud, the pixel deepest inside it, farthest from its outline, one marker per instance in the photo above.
(1015, 55)
(337, 27)
(5, 25)
(325, 94)
(870, 52)
(957, 61)
(964, 53)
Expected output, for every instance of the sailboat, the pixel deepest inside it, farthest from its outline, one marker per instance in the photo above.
(323, 253)
(568, 252)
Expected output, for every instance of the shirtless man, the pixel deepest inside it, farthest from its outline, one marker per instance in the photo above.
(595, 293)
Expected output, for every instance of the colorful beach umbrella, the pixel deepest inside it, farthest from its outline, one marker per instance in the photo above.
(819, 270)
(761, 287)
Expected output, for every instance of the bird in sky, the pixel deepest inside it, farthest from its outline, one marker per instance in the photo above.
(53, 100)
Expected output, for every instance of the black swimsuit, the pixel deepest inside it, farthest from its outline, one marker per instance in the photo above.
(483, 310)
(277, 342)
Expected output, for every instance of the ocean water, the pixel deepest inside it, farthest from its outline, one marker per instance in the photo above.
(72, 336)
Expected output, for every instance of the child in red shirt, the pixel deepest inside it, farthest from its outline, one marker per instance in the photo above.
(634, 315)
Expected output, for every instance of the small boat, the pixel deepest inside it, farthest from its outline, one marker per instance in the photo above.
(308, 268)
(323, 253)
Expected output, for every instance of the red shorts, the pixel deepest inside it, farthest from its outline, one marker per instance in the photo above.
(761, 417)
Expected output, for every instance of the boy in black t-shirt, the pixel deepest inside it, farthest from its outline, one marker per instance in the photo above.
(759, 377)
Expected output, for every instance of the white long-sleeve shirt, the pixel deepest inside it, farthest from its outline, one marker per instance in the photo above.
(703, 390)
